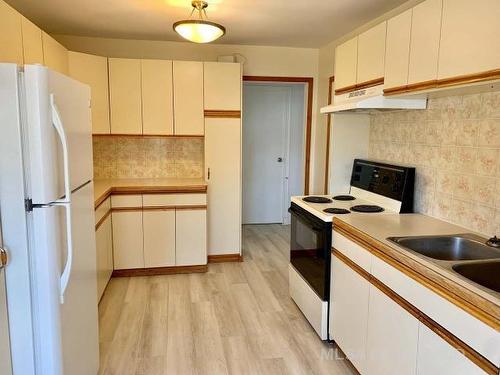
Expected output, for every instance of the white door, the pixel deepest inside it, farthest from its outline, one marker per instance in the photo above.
(273, 116)
(5, 360)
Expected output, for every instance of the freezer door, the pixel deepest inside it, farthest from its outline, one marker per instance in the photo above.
(43, 144)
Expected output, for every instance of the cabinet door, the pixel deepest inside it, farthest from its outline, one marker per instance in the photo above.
(188, 97)
(157, 97)
(104, 258)
(222, 86)
(349, 299)
(159, 238)
(127, 240)
(223, 163)
(125, 96)
(346, 61)
(190, 237)
(371, 53)
(437, 357)
(469, 37)
(392, 337)
(11, 42)
(32, 42)
(425, 34)
(93, 70)
(397, 53)
(55, 55)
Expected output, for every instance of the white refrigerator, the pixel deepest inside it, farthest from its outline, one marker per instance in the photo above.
(46, 130)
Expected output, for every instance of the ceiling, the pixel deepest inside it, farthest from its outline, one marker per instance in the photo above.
(296, 23)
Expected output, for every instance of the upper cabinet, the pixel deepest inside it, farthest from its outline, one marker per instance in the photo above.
(469, 37)
(125, 96)
(425, 34)
(55, 54)
(188, 98)
(346, 60)
(221, 82)
(32, 42)
(11, 43)
(371, 55)
(397, 52)
(93, 70)
(157, 97)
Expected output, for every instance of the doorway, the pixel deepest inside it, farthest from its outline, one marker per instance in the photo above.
(274, 119)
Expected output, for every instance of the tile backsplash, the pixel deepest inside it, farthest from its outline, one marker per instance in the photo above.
(455, 147)
(148, 157)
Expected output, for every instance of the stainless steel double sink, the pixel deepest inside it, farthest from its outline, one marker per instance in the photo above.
(467, 255)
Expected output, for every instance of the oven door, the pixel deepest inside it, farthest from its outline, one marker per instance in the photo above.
(310, 244)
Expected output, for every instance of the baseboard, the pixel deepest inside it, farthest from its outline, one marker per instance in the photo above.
(223, 258)
(159, 271)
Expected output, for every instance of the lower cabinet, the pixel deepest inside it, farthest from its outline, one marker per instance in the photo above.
(159, 238)
(104, 256)
(190, 237)
(128, 239)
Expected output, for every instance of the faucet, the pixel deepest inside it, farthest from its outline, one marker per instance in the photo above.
(494, 242)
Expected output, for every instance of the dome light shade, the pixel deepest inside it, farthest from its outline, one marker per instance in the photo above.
(199, 30)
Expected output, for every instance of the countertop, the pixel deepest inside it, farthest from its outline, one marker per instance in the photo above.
(105, 187)
(374, 234)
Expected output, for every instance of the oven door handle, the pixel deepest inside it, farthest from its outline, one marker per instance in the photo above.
(292, 210)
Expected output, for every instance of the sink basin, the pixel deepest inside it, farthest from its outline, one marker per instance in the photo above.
(451, 248)
(486, 274)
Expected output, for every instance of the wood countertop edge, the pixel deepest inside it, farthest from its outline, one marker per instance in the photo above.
(160, 189)
(481, 308)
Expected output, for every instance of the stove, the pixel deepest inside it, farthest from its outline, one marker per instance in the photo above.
(375, 189)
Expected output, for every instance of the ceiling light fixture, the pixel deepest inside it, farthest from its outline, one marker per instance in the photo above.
(199, 30)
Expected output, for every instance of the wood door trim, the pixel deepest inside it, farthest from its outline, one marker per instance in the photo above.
(102, 219)
(99, 135)
(331, 80)
(221, 113)
(472, 303)
(360, 86)
(309, 81)
(446, 335)
(224, 258)
(154, 271)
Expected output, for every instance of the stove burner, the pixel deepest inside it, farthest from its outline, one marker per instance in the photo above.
(367, 208)
(344, 198)
(337, 211)
(315, 199)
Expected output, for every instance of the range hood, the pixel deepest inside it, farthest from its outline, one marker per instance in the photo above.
(371, 99)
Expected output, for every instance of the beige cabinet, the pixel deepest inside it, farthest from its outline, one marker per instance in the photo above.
(104, 257)
(32, 42)
(397, 52)
(349, 312)
(125, 96)
(392, 337)
(159, 237)
(93, 70)
(425, 35)
(11, 45)
(222, 85)
(371, 54)
(157, 97)
(55, 55)
(190, 237)
(223, 174)
(469, 37)
(188, 97)
(346, 61)
(127, 239)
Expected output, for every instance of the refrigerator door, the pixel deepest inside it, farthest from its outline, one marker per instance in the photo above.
(71, 100)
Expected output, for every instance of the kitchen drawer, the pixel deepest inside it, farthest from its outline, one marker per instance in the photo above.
(155, 200)
(102, 209)
(352, 250)
(124, 201)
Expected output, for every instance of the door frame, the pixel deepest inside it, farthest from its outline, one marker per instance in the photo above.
(309, 83)
(331, 80)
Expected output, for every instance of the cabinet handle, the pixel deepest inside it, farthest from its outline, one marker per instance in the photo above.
(208, 174)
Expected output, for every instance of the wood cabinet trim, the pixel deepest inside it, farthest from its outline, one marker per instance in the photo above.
(103, 219)
(360, 86)
(221, 113)
(97, 135)
(475, 305)
(159, 208)
(154, 271)
(224, 258)
(446, 335)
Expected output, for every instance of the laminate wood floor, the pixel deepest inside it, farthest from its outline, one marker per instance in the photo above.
(235, 319)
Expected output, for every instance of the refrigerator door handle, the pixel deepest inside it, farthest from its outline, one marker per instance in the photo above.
(66, 200)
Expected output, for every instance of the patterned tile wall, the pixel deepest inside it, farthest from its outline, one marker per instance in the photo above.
(455, 146)
(155, 157)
